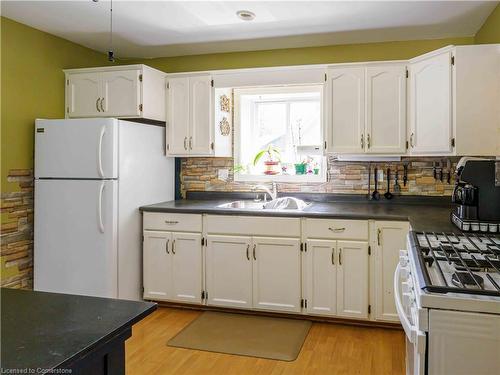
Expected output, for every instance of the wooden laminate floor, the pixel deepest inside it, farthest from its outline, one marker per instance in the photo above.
(329, 349)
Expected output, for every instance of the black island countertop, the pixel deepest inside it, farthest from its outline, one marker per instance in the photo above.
(429, 214)
(49, 331)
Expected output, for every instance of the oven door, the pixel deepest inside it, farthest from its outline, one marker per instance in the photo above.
(415, 339)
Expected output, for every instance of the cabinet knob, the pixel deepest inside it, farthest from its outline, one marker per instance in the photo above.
(340, 256)
(97, 105)
(185, 143)
(166, 247)
(336, 230)
(411, 140)
(362, 141)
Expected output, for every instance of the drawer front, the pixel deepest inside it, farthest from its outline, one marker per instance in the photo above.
(172, 222)
(336, 229)
(253, 225)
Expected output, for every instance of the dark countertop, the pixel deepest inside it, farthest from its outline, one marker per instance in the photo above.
(423, 214)
(50, 330)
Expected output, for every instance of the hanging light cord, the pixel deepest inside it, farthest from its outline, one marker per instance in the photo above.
(111, 56)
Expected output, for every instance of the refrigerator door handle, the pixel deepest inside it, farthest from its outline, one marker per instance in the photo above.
(99, 208)
(99, 152)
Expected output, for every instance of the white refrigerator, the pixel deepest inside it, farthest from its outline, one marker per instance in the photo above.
(91, 176)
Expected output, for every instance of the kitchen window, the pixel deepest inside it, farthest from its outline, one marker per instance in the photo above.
(279, 134)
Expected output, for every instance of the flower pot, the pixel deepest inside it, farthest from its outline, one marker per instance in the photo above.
(300, 168)
(271, 167)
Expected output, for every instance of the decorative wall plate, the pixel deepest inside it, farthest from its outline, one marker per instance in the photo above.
(225, 127)
(225, 103)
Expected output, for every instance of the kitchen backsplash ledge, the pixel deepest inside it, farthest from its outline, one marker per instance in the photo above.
(200, 174)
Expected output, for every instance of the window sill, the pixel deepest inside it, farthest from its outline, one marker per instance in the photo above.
(281, 178)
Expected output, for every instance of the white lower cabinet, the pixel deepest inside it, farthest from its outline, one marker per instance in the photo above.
(352, 279)
(276, 273)
(229, 271)
(321, 277)
(172, 263)
(388, 237)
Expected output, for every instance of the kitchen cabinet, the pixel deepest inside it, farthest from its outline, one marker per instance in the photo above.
(387, 239)
(337, 267)
(453, 100)
(172, 257)
(276, 273)
(127, 91)
(385, 109)
(229, 271)
(192, 116)
(321, 276)
(172, 266)
(347, 109)
(247, 266)
(352, 279)
(367, 109)
(156, 264)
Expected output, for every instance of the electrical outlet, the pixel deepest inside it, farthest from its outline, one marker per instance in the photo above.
(380, 175)
(223, 174)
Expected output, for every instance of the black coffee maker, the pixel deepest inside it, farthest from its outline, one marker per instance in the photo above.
(476, 196)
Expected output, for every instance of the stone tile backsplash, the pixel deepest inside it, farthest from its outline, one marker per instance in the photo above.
(200, 174)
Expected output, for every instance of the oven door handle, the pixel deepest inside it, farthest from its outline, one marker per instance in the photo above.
(410, 330)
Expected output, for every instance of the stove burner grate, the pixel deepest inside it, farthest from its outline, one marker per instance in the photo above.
(468, 280)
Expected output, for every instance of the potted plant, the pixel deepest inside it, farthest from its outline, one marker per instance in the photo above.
(300, 168)
(272, 161)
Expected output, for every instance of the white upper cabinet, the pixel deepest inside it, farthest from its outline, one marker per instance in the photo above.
(128, 91)
(191, 117)
(83, 95)
(178, 116)
(121, 93)
(386, 109)
(453, 99)
(201, 115)
(430, 103)
(346, 93)
(367, 109)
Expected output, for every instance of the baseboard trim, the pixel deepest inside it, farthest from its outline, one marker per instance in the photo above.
(313, 318)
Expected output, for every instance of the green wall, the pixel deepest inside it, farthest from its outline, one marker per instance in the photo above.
(32, 86)
(490, 31)
(299, 56)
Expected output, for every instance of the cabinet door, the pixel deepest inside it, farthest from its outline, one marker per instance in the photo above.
(321, 277)
(347, 109)
(352, 279)
(386, 109)
(229, 271)
(186, 267)
(201, 115)
(431, 104)
(82, 95)
(178, 116)
(390, 237)
(121, 93)
(276, 273)
(157, 265)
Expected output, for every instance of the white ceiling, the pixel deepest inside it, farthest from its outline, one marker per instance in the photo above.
(173, 28)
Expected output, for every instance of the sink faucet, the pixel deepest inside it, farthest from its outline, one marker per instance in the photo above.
(273, 192)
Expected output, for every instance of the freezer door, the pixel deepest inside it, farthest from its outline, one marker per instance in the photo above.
(75, 246)
(76, 148)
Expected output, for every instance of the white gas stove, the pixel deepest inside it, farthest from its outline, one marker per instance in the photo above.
(447, 290)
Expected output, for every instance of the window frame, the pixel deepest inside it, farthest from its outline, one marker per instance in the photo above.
(308, 178)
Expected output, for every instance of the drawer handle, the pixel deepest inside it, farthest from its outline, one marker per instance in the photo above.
(248, 252)
(333, 256)
(340, 256)
(166, 247)
(254, 256)
(171, 222)
(173, 247)
(336, 229)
